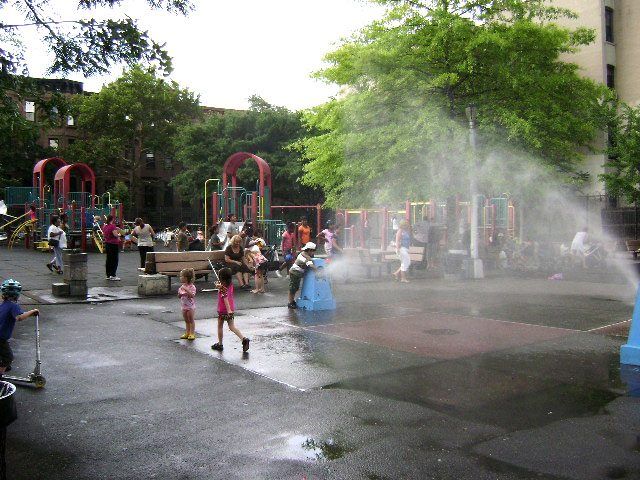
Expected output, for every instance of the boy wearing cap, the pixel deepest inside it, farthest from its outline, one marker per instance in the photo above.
(10, 312)
(303, 261)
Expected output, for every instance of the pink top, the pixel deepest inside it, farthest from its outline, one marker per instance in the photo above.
(328, 240)
(109, 236)
(287, 241)
(187, 294)
(225, 292)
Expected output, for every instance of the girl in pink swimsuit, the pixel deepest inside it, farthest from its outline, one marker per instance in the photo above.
(187, 295)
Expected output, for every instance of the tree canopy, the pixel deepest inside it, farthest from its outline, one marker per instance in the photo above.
(137, 114)
(399, 129)
(264, 130)
(82, 44)
(622, 175)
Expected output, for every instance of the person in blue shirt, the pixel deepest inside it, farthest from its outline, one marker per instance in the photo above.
(10, 312)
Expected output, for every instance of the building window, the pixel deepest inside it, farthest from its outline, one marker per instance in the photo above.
(71, 122)
(168, 162)
(149, 196)
(608, 24)
(611, 76)
(54, 116)
(150, 160)
(53, 143)
(30, 110)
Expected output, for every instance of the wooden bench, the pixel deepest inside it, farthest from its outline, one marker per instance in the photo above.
(633, 246)
(172, 263)
(418, 256)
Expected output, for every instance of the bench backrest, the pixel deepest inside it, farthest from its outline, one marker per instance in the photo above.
(160, 262)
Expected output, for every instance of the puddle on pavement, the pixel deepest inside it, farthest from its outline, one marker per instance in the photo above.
(301, 447)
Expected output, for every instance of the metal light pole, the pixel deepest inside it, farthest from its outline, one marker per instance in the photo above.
(474, 266)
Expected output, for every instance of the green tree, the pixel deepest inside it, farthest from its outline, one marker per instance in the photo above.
(121, 194)
(622, 173)
(135, 116)
(80, 44)
(264, 130)
(399, 129)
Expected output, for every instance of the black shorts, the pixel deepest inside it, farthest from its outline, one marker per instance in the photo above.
(6, 355)
(235, 268)
(225, 317)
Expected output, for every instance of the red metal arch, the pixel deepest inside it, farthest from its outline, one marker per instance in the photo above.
(38, 173)
(235, 161)
(62, 182)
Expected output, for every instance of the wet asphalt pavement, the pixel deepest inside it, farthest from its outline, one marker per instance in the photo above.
(495, 379)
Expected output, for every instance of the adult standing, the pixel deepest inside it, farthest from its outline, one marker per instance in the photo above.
(232, 227)
(234, 258)
(112, 235)
(57, 240)
(403, 242)
(143, 235)
(182, 238)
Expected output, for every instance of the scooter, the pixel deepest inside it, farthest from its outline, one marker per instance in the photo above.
(35, 377)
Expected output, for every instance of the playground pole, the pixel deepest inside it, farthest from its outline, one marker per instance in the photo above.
(318, 219)
(254, 206)
(383, 229)
(83, 229)
(474, 269)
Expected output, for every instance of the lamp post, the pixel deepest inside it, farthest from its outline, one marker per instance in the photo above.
(474, 266)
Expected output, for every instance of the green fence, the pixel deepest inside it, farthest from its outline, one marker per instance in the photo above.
(20, 195)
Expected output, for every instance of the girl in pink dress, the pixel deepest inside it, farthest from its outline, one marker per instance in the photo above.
(226, 309)
(187, 295)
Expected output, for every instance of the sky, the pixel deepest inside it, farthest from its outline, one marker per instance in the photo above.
(226, 51)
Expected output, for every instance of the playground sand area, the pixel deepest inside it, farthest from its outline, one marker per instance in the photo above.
(499, 378)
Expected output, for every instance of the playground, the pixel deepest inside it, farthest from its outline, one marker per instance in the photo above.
(508, 377)
(479, 374)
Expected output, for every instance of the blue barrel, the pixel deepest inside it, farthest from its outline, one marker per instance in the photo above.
(316, 289)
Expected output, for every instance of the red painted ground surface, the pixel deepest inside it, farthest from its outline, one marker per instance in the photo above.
(443, 336)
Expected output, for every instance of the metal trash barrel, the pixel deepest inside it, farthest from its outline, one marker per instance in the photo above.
(8, 414)
(453, 264)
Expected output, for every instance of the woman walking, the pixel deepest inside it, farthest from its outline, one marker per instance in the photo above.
(143, 235)
(57, 240)
(112, 236)
(403, 242)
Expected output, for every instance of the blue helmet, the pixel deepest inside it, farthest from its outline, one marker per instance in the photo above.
(11, 288)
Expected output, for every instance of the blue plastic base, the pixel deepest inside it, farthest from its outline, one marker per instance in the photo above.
(630, 355)
(316, 291)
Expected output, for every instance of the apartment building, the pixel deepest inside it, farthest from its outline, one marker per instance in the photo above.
(613, 59)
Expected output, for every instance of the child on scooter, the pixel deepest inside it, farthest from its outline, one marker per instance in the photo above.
(226, 307)
(10, 312)
(187, 295)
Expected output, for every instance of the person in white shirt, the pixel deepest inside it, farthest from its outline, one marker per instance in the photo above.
(57, 240)
(578, 246)
(143, 235)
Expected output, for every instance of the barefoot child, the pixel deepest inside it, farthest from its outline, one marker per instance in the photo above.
(258, 262)
(10, 312)
(187, 295)
(303, 261)
(226, 307)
